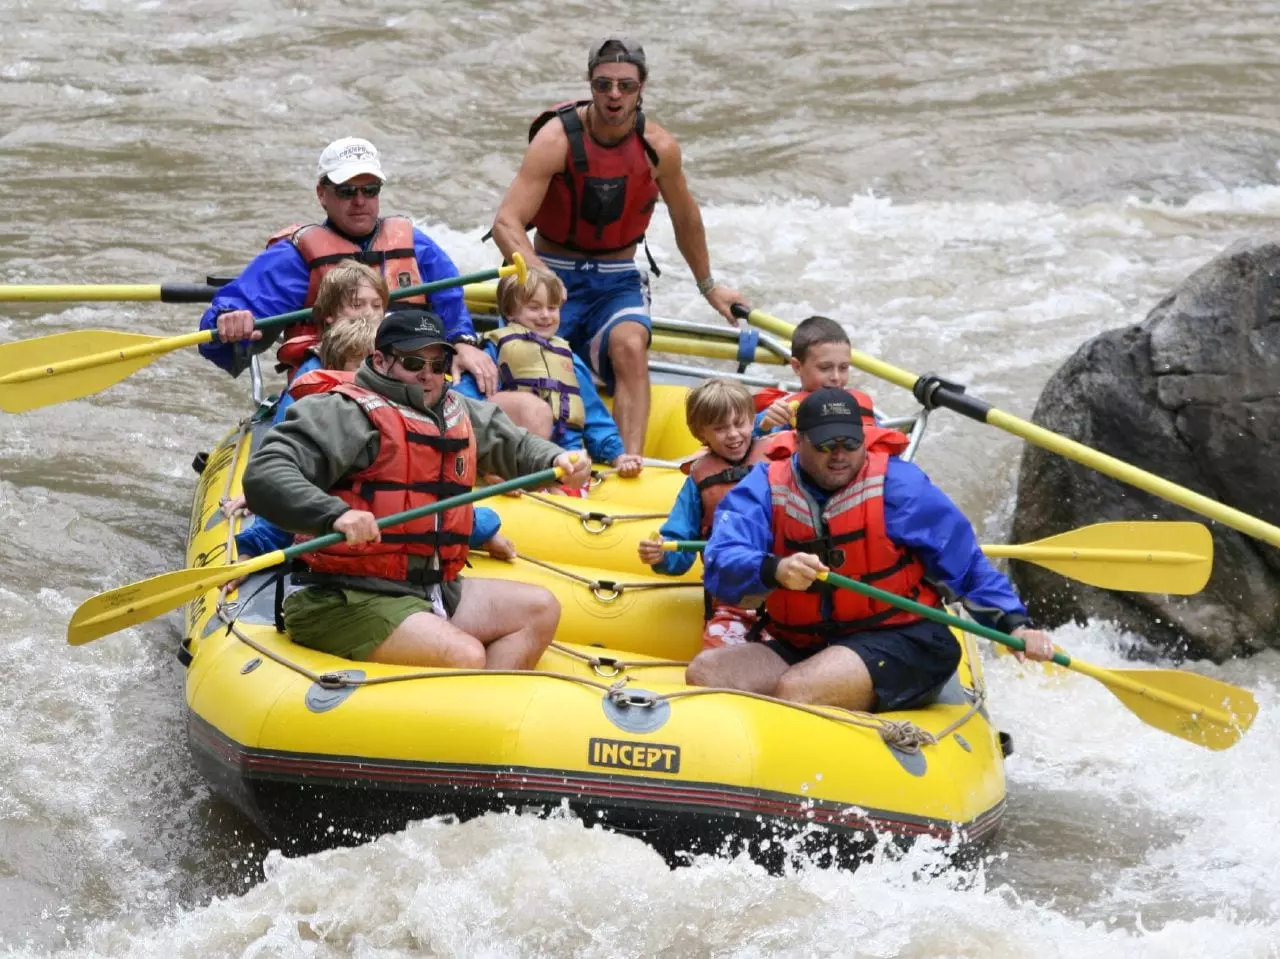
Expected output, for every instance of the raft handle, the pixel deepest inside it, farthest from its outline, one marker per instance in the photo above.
(603, 519)
(606, 666)
(606, 590)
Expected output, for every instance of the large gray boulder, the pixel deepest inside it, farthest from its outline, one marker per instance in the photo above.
(1192, 394)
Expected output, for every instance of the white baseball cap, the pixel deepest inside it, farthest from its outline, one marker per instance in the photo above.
(347, 158)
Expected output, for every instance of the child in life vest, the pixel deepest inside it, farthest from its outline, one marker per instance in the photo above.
(343, 347)
(719, 414)
(820, 359)
(530, 357)
(348, 290)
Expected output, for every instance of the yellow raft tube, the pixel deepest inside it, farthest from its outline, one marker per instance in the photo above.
(320, 751)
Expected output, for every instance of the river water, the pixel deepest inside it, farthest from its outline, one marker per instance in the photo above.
(973, 188)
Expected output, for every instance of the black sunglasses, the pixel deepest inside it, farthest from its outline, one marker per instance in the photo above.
(840, 442)
(605, 84)
(345, 191)
(416, 364)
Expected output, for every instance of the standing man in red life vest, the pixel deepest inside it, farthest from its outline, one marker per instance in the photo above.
(589, 182)
(393, 439)
(286, 277)
(842, 503)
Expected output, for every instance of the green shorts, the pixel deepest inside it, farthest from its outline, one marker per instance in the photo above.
(350, 623)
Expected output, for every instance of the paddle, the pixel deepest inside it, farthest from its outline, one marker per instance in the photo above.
(127, 606)
(933, 392)
(1177, 557)
(107, 292)
(67, 366)
(1204, 711)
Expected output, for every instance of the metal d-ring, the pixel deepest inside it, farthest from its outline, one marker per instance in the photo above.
(603, 664)
(605, 590)
(604, 520)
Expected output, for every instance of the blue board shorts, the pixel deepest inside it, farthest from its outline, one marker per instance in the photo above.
(907, 663)
(603, 294)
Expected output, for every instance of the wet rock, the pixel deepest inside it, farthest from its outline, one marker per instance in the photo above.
(1192, 394)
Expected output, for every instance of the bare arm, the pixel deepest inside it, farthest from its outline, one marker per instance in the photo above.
(686, 221)
(543, 160)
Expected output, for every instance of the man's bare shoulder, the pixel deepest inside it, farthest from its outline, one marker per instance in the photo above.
(664, 144)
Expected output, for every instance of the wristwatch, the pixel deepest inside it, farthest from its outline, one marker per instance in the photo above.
(469, 338)
(707, 284)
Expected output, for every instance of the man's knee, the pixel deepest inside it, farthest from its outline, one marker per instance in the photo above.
(794, 688)
(527, 410)
(543, 609)
(702, 671)
(468, 655)
(629, 346)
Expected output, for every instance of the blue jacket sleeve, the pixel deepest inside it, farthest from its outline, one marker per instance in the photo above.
(466, 384)
(685, 522)
(260, 537)
(485, 526)
(923, 519)
(603, 441)
(741, 539)
(274, 282)
(434, 264)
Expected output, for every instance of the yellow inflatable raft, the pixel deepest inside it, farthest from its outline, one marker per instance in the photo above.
(320, 751)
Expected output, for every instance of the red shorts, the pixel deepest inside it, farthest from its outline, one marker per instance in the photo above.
(729, 626)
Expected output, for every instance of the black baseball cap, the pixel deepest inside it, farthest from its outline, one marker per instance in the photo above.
(829, 414)
(629, 52)
(410, 329)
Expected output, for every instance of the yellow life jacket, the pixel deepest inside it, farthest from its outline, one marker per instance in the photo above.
(535, 364)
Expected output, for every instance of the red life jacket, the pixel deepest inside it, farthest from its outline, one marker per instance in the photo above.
(848, 534)
(318, 381)
(604, 198)
(321, 248)
(714, 476)
(416, 465)
(770, 395)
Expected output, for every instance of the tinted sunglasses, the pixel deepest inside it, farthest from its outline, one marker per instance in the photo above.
(605, 84)
(416, 364)
(345, 191)
(840, 442)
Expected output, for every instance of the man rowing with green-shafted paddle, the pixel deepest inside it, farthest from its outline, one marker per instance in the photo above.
(391, 439)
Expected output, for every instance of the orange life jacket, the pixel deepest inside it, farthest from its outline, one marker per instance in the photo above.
(321, 248)
(416, 465)
(604, 198)
(318, 381)
(767, 397)
(714, 476)
(848, 534)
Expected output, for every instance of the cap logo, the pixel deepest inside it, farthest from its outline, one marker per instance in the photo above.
(836, 409)
(355, 151)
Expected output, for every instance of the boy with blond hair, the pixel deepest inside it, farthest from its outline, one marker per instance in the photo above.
(719, 414)
(532, 358)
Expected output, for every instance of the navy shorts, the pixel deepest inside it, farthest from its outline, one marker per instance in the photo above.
(603, 294)
(906, 663)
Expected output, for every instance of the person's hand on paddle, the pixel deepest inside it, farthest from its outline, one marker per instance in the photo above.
(473, 360)
(629, 464)
(358, 526)
(234, 506)
(577, 469)
(1039, 645)
(798, 571)
(778, 413)
(650, 550)
(235, 326)
(500, 547)
(722, 300)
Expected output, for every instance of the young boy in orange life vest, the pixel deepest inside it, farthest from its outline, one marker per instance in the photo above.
(342, 349)
(719, 414)
(820, 358)
(530, 357)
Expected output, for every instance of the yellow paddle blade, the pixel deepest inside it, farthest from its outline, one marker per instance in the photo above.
(54, 386)
(1199, 709)
(127, 606)
(1137, 557)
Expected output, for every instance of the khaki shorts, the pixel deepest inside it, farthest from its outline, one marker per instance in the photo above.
(350, 623)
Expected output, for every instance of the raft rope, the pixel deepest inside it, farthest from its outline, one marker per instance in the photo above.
(902, 735)
(606, 590)
(592, 521)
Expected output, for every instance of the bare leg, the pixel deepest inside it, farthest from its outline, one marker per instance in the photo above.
(752, 667)
(514, 621)
(527, 410)
(424, 639)
(629, 354)
(837, 676)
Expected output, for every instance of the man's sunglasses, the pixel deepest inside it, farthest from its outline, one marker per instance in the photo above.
(840, 442)
(345, 191)
(416, 364)
(605, 84)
